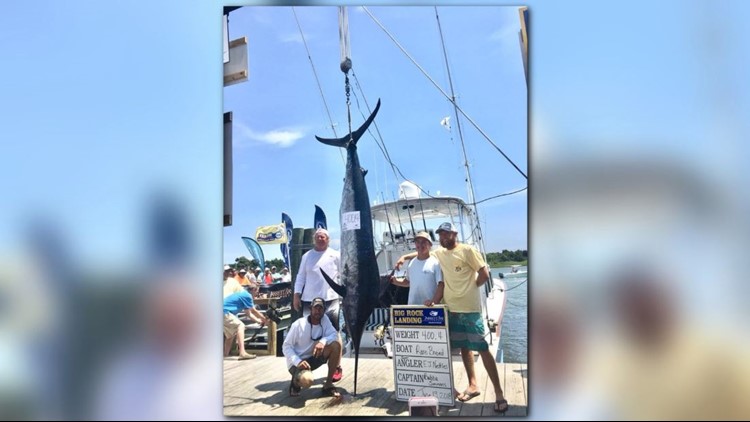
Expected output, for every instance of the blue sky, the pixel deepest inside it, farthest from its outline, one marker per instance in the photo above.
(280, 167)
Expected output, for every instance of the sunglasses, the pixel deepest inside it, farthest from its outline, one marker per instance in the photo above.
(311, 332)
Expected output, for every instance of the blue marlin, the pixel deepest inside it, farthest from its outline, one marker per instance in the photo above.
(360, 279)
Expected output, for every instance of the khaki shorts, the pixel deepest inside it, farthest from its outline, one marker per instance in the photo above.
(231, 325)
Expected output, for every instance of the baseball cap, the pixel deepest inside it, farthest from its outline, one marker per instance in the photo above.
(449, 227)
(425, 236)
(318, 301)
(243, 270)
(227, 268)
(324, 231)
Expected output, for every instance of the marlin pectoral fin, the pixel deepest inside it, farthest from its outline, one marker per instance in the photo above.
(364, 172)
(343, 142)
(341, 290)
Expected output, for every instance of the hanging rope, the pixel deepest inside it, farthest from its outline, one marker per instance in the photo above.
(443, 92)
(346, 62)
(348, 105)
(317, 80)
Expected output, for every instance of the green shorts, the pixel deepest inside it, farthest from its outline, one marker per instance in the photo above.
(467, 331)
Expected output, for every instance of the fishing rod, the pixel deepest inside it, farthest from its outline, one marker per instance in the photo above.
(398, 214)
(390, 230)
(421, 207)
(414, 232)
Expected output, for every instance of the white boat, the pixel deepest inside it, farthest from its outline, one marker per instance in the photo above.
(393, 240)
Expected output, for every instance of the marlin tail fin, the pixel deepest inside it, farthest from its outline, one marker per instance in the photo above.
(344, 141)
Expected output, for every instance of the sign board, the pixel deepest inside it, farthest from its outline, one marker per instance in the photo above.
(235, 71)
(421, 353)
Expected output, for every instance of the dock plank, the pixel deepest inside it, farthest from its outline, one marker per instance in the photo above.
(259, 387)
(514, 390)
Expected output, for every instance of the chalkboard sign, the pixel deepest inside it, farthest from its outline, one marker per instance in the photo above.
(421, 353)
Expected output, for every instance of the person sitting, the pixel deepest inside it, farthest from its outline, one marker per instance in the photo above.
(310, 343)
(275, 276)
(248, 281)
(231, 285)
(285, 276)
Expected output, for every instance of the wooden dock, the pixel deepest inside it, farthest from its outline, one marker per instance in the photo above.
(259, 387)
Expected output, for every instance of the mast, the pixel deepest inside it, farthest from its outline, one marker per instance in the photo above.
(469, 185)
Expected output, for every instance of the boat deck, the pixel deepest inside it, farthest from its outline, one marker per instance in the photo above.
(259, 387)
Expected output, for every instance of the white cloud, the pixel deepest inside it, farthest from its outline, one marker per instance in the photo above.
(283, 137)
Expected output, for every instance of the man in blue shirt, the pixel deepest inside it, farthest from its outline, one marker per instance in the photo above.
(233, 326)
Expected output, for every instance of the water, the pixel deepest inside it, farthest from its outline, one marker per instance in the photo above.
(514, 336)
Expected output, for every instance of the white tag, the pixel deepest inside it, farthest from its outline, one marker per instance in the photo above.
(350, 221)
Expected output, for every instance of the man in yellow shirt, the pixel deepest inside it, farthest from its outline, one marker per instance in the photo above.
(464, 272)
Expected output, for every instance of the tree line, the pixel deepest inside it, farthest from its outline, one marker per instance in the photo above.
(243, 262)
(494, 259)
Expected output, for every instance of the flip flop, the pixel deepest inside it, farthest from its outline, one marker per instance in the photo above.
(330, 392)
(466, 396)
(501, 406)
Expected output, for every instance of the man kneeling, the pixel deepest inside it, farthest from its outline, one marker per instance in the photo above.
(310, 343)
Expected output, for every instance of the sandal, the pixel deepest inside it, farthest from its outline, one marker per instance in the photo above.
(466, 396)
(294, 389)
(501, 406)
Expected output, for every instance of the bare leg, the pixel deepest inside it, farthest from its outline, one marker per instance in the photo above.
(468, 358)
(491, 367)
(241, 339)
(228, 345)
(332, 353)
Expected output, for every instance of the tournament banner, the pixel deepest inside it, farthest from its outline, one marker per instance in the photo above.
(269, 235)
(286, 247)
(254, 248)
(320, 219)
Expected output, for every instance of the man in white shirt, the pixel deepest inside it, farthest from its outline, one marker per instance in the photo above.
(311, 284)
(310, 343)
(424, 278)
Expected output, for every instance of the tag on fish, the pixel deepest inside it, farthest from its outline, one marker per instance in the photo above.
(350, 221)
